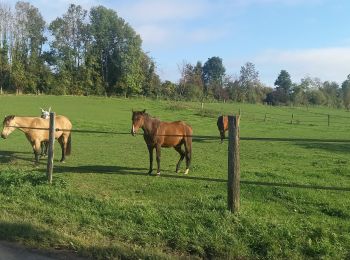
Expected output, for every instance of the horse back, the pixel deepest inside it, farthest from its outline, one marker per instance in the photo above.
(63, 122)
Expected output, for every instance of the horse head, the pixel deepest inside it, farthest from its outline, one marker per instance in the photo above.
(138, 119)
(8, 126)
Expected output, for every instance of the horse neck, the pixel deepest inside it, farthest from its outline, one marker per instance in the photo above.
(150, 124)
(24, 122)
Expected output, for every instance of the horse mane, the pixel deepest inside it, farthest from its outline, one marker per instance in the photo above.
(8, 118)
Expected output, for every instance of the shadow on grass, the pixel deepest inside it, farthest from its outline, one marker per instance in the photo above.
(331, 147)
(10, 156)
(14, 232)
(24, 231)
(143, 172)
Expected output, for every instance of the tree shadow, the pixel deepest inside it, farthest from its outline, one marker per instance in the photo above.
(10, 156)
(331, 147)
(14, 232)
(107, 169)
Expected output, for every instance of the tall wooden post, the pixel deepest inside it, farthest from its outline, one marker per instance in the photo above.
(51, 147)
(233, 180)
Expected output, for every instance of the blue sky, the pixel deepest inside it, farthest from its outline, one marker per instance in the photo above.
(304, 37)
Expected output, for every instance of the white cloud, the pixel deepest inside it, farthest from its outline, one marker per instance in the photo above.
(324, 63)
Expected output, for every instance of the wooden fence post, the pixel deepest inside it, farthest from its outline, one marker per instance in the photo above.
(233, 180)
(52, 131)
(291, 121)
(329, 119)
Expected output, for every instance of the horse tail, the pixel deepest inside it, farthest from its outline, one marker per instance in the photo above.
(69, 144)
(220, 123)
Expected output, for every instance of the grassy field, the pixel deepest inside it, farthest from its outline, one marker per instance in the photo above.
(102, 204)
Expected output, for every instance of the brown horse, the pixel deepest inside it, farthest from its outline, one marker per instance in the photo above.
(159, 134)
(222, 124)
(36, 131)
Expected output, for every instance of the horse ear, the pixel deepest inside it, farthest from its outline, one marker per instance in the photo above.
(144, 111)
(49, 109)
(42, 110)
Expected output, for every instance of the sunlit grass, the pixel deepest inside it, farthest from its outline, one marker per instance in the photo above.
(103, 205)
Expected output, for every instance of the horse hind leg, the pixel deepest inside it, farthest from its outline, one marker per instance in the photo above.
(188, 153)
(63, 148)
(182, 156)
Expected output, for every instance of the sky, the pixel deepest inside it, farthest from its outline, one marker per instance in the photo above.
(304, 37)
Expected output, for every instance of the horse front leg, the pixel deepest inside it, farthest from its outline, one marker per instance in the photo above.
(150, 152)
(158, 159)
(182, 156)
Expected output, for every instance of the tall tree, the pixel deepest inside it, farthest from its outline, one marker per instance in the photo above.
(283, 85)
(213, 75)
(118, 50)
(249, 83)
(69, 47)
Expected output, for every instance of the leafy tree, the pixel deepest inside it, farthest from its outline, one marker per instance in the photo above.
(249, 84)
(118, 51)
(332, 93)
(69, 47)
(345, 86)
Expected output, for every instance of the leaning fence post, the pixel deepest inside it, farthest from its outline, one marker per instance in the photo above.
(51, 147)
(233, 180)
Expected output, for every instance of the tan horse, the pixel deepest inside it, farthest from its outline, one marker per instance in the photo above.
(159, 134)
(35, 129)
(222, 124)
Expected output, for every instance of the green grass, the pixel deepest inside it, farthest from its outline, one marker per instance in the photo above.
(103, 205)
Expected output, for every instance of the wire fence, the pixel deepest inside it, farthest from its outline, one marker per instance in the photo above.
(216, 137)
(196, 137)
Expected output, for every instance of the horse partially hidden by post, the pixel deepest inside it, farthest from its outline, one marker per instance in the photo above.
(45, 114)
(159, 134)
(36, 131)
(222, 124)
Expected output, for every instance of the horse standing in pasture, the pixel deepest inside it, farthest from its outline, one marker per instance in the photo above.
(45, 114)
(36, 131)
(222, 124)
(159, 134)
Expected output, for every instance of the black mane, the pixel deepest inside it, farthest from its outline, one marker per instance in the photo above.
(8, 118)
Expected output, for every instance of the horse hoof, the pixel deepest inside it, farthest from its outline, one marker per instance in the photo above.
(63, 161)
(186, 172)
(158, 174)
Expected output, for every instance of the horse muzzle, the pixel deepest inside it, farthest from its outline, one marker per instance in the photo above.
(3, 136)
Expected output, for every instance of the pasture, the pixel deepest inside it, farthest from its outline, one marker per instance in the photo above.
(102, 204)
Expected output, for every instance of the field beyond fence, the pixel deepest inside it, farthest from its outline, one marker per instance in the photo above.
(295, 183)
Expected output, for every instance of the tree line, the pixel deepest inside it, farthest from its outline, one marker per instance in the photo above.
(96, 52)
